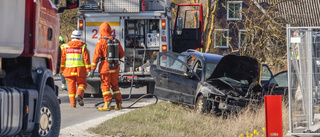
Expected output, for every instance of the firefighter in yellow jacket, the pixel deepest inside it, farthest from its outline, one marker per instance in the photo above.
(63, 79)
(75, 65)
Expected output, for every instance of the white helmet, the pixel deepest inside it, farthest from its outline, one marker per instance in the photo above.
(76, 34)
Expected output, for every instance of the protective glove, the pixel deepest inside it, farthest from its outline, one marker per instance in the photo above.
(90, 74)
(61, 73)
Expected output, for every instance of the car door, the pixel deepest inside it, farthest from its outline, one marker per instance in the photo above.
(188, 28)
(171, 78)
(187, 83)
(277, 85)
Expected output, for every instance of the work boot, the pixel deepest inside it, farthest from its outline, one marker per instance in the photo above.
(80, 100)
(72, 106)
(106, 107)
(118, 106)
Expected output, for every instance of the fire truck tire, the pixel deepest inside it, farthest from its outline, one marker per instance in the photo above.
(99, 95)
(86, 95)
(50, 116)
(150, 87)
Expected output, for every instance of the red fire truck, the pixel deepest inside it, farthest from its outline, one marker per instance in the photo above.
(29, 104)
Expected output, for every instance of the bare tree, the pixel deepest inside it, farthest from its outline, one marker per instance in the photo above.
(264, 37)
(68, 22)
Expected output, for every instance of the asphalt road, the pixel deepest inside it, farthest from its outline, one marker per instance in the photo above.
(75, 121)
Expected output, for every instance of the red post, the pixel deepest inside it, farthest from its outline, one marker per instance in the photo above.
(273, 114)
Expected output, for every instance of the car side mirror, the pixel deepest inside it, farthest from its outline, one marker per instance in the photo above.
(191, 75)
(273, 85)
(179, 25)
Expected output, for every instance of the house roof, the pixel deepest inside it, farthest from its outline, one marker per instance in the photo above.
(302, 13)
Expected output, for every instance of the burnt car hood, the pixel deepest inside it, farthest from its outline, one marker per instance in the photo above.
(238, 68)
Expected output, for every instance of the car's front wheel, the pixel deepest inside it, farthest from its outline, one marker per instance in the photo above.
(201, 104)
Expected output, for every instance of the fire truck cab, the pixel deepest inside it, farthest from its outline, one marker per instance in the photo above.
(29, 102)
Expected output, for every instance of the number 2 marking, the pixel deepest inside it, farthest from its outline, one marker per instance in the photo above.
(95, 31)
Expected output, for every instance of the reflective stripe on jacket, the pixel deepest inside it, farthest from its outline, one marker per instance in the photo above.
(74, 56)
(63, 46)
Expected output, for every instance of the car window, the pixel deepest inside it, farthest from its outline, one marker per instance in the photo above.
(265, 73)
(173, 62)
(281, 80)
(209, 69)
(191, 61)
(198, 68)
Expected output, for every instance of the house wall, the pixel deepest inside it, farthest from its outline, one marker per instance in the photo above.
(221, 22)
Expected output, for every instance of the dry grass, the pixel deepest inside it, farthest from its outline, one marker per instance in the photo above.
(167, 119)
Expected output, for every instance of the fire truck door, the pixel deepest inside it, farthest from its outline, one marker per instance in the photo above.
(188, 28)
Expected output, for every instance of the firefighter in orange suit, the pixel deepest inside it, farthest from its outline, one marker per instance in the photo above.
(109, 75)
(75, 66)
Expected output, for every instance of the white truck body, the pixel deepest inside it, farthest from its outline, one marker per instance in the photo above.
(147, 22)
(117, 22)
(12, 12)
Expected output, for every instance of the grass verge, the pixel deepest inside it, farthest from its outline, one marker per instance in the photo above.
(168, 119)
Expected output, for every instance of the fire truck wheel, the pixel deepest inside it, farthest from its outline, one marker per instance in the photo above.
(99, 95)
(150, 87)
(85, 95)
(50, 117)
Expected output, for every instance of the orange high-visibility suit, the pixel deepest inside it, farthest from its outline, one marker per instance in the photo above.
(75, 63)
(109, 77)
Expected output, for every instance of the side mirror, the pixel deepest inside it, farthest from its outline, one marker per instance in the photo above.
(56, 2)
(191, 75)
(179, 25)
(71, 4)
(273, 85)
(61, 9)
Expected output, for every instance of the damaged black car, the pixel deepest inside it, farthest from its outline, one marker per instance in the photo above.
(208, 82)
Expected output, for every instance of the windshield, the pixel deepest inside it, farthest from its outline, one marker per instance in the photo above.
(209, 69)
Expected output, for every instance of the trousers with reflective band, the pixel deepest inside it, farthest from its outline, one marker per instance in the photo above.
(110, 80)
(73, 83)
(74, 56)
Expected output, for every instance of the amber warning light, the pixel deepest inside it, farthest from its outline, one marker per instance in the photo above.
(164, 47)
(80, 24)
(163, 24)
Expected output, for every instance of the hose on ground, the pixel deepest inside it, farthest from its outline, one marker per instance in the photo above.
(137, 100)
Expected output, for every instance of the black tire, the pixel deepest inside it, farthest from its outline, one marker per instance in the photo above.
(85, 95)
(201, 104)
(150, 87)
(99, 95)
(50, 116)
